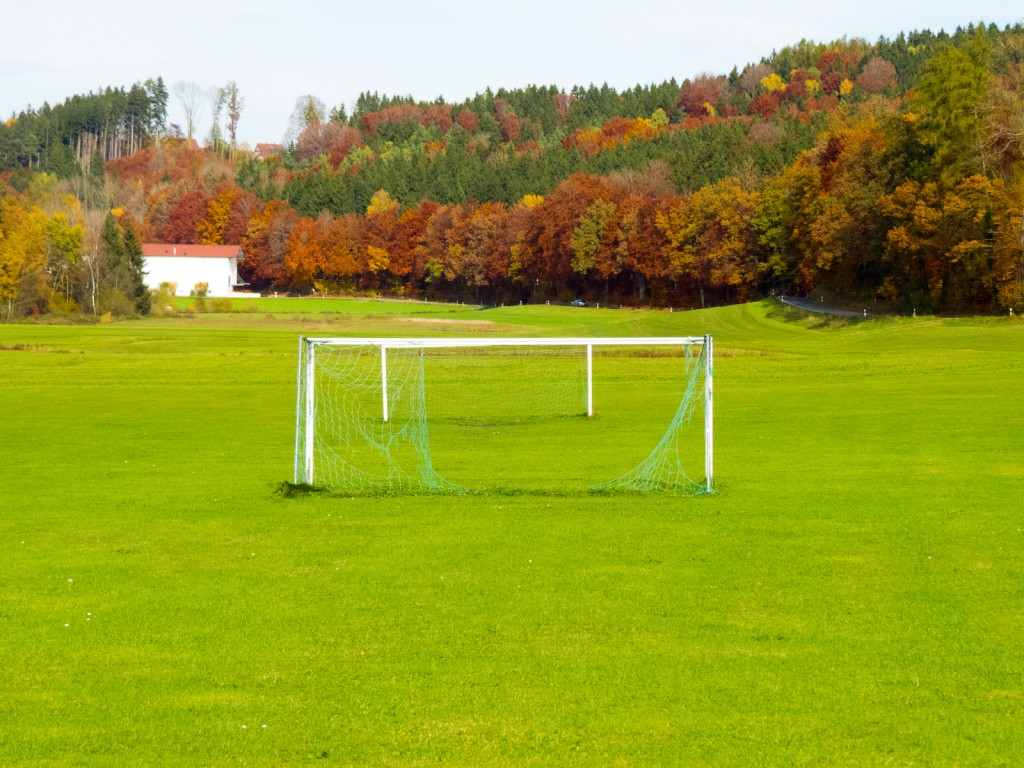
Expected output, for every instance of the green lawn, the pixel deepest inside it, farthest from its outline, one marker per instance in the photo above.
(852, 595)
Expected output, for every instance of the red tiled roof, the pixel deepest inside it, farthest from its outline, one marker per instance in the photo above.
(266, 150)
(195, 251)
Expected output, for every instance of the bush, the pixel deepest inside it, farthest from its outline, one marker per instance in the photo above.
(161, 300)
(62, 306)
(113, 301)
(199, 292)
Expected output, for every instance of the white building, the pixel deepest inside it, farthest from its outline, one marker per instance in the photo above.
(186, 266)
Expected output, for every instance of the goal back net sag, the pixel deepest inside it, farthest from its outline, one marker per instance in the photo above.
(469, 414)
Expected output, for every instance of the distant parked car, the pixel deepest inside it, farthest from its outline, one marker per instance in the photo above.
(579, 303)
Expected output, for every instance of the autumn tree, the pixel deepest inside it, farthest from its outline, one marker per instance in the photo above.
(265, 243)
(304, 256)
(210, 229)
(877, 76)
(379, 234)
(23, 283)
(64, 242)
(342, 250)
(753, 74)
(712, 241)
(308, 111)
(942, 239)
(702, 96)
(554, 224)
(589, 235)
(184, 219)
(406, 261)
(330, 139)
(1005, 276)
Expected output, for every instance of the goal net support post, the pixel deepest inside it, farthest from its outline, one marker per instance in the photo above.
(362, 416)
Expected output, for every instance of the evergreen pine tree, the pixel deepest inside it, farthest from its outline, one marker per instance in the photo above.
(113, 244)
(134, 263)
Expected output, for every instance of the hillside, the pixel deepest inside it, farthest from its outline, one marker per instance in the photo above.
(885, 173)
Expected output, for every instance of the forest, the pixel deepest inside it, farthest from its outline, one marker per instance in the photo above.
(886, 172)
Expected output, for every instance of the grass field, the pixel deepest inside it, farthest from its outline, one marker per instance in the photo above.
(853, 594)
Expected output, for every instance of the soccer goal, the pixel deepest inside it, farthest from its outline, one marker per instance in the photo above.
(457, 414)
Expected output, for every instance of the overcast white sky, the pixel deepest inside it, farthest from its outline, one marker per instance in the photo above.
(334, 49)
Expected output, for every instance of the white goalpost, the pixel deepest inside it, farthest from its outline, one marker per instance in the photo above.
(362, 413)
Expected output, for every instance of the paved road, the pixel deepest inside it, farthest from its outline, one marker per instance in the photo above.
(811, 306)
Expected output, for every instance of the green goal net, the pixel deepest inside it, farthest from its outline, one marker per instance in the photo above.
(456, 415)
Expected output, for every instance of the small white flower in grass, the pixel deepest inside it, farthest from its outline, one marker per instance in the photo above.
(244, 726)
(264, 725)
(67, 625)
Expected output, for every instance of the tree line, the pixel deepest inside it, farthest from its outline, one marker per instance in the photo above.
(887, 172)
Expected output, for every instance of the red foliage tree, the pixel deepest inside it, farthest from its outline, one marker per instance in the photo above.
(264, 244)
(468, 121)
(406, 253)
(304, 252)
(765, 104)
(342, 250)
(440, 116)
(184, 218)
(331, 139)
(698, 94)
(399, 113)
(831, 82)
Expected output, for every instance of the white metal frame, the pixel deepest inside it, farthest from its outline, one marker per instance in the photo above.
(309, 345)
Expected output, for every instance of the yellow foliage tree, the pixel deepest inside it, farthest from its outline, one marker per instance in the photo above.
(381, 202)
(377, 259)
(218, 212)
(22, 254)
(711, 240)
(772, 83)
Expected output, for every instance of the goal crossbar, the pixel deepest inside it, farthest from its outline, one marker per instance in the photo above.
(307, 346)
(448, 342)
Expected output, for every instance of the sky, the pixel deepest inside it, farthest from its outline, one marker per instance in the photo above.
(335, 49)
